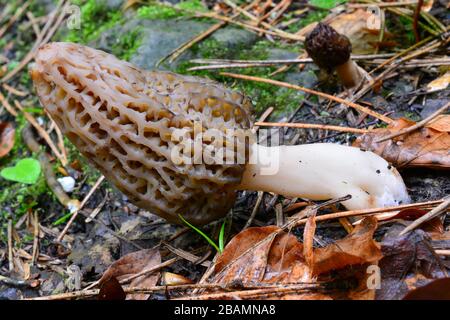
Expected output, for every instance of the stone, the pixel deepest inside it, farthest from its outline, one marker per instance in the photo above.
(280, 54)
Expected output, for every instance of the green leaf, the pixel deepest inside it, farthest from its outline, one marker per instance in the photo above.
(34, 110)
(63, 219)
(25, 171)
(326, 4)
(221, 237)
(200, 232)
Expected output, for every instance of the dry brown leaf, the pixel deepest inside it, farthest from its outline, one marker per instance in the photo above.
(356, 27)
(432, 226)
(260, 255)
(6, 138)
(440, 123)
(427, 5)
(132, 264)
(440, 83)
(438, 289)
(356, 248)
(265, 255)
(173, 279)
(426, 147)
(110, 289)
(408, 262)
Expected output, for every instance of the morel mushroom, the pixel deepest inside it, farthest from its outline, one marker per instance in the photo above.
(331, 51)
(127, 122)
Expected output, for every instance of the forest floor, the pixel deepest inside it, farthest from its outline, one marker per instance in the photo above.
(46, 254)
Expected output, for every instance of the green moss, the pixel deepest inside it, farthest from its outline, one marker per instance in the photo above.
(156, 12)
(326, 4)
(127, 45)
(37, 8)
(191, 5)
(161, 11)
(263, 95)
(95, 19)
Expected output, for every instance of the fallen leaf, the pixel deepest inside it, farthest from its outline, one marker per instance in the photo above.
(131, 264)
(173, 279)
(440, 83)
(427, 5)
(408, 262)
(356, 248)
(261, 254)
(438, 289)
(265, 255)
(7, 133)
(434, 225)
(440, 123)
(25, 171)
(110, 289)
(425, 147)
(357, 27)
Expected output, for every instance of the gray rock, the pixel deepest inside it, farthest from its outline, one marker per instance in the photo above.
(431, 106)
(305, 78)
(233, 38)
(160, 37)
(280, 54)
(113, 4)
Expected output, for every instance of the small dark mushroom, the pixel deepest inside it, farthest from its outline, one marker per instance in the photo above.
(331, 51)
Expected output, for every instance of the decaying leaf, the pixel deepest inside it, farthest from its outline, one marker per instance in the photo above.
(440, 123)
(261, 254)
(131, 264)
(267, 255)
(434, 225)
(440, 83)
(110, 289)
(408, 262)
(6, 138)
(357, 27)
(173, 279)
(427, 5)
(427, 147)
(355, 249)
(438, 289)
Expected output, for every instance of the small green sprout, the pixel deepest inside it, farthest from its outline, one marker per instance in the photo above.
(219, 247)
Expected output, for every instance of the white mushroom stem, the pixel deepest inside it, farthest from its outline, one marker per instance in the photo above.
(349, 73)
(323, 171)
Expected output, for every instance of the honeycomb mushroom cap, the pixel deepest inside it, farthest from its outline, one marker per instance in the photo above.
(122, 120)
(327, 48)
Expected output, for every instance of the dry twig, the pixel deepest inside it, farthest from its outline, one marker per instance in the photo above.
(42, 133)
(312, 126)
(83, 202)
(318, 93)
(430, 215)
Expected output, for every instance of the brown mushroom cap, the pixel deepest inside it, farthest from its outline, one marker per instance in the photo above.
(122, 119)
(327, 48)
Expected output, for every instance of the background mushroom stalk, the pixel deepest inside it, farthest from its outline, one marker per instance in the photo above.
(124, 121)
(331, 51)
